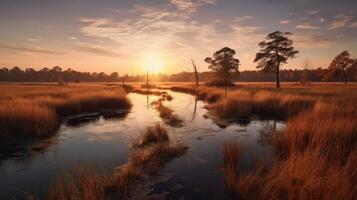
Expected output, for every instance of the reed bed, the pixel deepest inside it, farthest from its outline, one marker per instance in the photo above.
(230, 166)
(316, 153)
(36, 110)
(166, 113)
(152, 134)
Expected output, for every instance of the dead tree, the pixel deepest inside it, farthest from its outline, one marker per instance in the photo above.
(196, 73)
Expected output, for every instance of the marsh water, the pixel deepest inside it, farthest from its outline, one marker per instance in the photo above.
(102, 139)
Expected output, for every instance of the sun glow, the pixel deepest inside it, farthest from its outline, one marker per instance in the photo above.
(153, 62)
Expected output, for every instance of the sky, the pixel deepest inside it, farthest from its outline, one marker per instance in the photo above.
(164, 35)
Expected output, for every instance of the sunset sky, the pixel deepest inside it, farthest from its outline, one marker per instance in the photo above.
(129, 36)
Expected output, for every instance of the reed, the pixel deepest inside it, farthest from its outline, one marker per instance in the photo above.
(152, 134)
(36, 110)
(230, 166)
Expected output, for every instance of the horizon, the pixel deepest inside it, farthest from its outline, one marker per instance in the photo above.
(102, 36)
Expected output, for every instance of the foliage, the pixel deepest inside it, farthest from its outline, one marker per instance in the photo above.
(223, 62)
(275, 51)
(341, 65)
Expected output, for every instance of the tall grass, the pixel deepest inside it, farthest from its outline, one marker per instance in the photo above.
(230, 166)
(317, 152)
(35, 110)
(152, 134)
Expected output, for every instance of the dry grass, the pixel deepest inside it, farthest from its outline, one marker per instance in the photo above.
(166, 113)
(35, 110)
(94, 184)
(317, 152)
(152, 134)
(230, 167)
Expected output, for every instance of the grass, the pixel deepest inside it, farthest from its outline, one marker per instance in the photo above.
(91, 184)
(167, 113)
(152, 134)
(230, 166)
(36, 110)
(316, 153)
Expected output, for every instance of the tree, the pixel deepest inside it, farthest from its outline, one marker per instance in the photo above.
(223, 62)
(114, 76)
(195, 70)
(276, 50)
(341, 64)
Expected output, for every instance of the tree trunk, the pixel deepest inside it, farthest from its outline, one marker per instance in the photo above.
(147, 79)
(196, 73)
(277, 76)
(345, 76)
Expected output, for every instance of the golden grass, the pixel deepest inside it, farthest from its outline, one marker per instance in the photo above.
(94, 184)
(317, 152)
(152, 134)
(166, 113)
(230, 166)
(35, 110)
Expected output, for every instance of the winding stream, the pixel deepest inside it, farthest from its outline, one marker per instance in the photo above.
(102, 139)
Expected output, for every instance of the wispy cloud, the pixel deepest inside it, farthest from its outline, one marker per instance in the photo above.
(167, 30)
(96, 50)
(191, 5)
(353, 25)
(312, 12)
(29, 49)
(340, 21)
(307, 26)
(314, 41)
(285, 22)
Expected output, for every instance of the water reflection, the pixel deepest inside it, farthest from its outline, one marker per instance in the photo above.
(103, 138)
(85, 118)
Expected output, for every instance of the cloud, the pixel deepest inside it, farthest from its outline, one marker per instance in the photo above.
(312, 12)
(340, 21)
(307, 26)
(190, 5)
(168, 32)
(34, 39)
(96, 50)
(285, 22)
(29, 49)
(314, 41)
(353, 25)
(322, 20)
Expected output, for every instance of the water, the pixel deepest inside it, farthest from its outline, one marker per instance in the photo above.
(102, 140)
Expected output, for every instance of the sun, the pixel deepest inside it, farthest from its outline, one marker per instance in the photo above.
(153, 62)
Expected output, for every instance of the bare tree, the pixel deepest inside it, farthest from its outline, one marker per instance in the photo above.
(276, 50)
(196, 73)
(341, 64)
(305, 73)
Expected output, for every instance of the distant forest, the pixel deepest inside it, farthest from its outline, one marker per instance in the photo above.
(56, 74)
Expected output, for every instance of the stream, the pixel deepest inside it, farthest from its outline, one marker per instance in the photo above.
(102, 139)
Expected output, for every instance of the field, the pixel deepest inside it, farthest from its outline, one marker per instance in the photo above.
(315, 156)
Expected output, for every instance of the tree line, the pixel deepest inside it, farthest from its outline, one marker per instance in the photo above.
(15, 74)
(274, 52)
